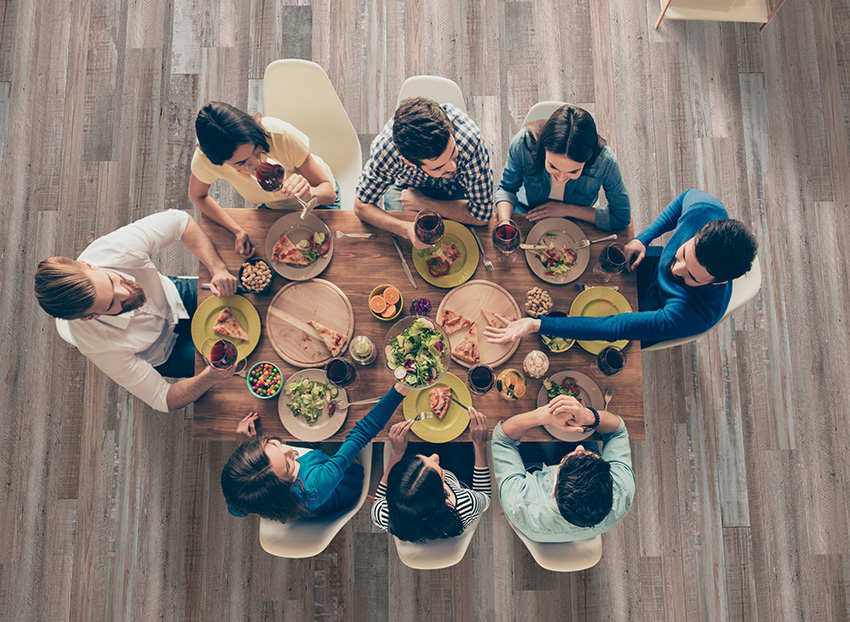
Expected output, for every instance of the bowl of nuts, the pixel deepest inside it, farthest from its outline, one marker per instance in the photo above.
(537, 302)
(256, 276)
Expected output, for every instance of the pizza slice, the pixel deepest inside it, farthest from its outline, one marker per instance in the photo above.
(449, 252)
(226, 324)
(493, 321)
(285, 251)
(439, 399)
(451, 320)
(334, 341)
(467, 348)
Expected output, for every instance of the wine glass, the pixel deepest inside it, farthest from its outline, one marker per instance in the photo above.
(341, 373)
(480, 379)
(429, 227)
(270, 176)
(609, 362)
(612, 261)
(221, 354)
(506, 240)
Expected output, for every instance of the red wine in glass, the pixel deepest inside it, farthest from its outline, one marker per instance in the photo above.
(223, 354)
(612, 261)
(480, 379)
(429, 227)
(611, 361)
(506, 240)
(269, 174)
(340, 372)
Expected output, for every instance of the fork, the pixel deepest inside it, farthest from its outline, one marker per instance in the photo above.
(425, 414)
(488, 265)
(585, 242)
(340, 234)
(609, 393)
(345, 404)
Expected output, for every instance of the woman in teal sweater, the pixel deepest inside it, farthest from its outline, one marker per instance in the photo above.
(267, 477)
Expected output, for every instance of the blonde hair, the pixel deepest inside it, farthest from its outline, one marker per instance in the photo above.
(63, 289)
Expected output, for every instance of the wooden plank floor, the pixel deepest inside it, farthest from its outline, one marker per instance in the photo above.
(109, 511)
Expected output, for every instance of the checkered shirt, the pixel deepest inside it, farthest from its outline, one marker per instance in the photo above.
(474, 175)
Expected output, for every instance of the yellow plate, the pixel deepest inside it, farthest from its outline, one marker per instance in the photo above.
(243, 311)
(461, 270)
(439, 430)
(600, 302)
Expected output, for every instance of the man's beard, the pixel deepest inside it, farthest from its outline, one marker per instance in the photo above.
(137, 298)
(673, 277)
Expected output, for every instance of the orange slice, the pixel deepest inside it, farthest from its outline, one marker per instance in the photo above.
(377, 304)
(389, 311)
(391, 295)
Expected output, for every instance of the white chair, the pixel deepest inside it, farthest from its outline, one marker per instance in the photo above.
(744, 288)
(759, 11)
(307, 537)
(64, 330)
(441, 90)
(542, 110)
(435, 554)
(299, 92)
(563, 556)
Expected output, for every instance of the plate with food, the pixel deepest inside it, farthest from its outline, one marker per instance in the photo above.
(579, 386)
(600, 302)
(308, 406)
(451, 261)
(230, 317)
(298, 249)
(558, 263)
(416, 351)
(450, 420)
(556, 344)
(465, 311)
(309, 322)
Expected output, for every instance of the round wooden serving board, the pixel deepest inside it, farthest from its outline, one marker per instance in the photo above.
(291, 336)
(468, 300)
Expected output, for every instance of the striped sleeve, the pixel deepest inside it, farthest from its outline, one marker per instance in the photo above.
(470, 504)
(380, 511)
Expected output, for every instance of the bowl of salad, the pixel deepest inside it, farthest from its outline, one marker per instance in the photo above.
(556, 344)
(417, 351)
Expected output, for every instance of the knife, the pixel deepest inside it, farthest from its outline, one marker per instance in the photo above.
(464, 406)
(404, 262)
(533, 247)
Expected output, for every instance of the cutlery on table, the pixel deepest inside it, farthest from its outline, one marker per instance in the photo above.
(340, 234)
(343, 404)
(585, 242)
(581, 287)
(427, 414)
(464, 406)
(404, 262)
(609, 393)
(533, 247)
(488, 265)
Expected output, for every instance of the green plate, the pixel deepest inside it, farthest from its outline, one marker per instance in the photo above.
(461, 270)
(439, 430)
(599, 302)
(243, 311)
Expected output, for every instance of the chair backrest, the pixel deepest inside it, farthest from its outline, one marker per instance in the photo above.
(542, 110)
(436, 554)
(299, 92)
(307, 537)
(441, 90)
(563, 556)
(744, 289)
(64, 330)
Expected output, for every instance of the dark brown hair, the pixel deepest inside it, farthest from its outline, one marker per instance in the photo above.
(222, 128)
(584, 491)
(63, 289)
(569, 131)
(421, 129)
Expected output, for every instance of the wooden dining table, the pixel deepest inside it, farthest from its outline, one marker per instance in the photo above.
(359, 265)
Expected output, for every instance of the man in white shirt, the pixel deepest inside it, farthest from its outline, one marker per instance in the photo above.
(125, 316)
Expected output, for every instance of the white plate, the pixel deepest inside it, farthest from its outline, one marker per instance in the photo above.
(563, 233)
(325, 426)
(590, 396)
(297, 230)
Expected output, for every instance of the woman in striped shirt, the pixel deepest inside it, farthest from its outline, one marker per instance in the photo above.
(417, 500)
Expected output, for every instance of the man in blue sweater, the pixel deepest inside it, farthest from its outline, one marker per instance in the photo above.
(683, 287)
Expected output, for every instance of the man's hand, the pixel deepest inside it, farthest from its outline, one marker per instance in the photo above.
(297, 186)
(216, 375)
(247, 428)
(243, 246)
(550, 209)
(569, 414)
(513, 331)
(479, 427)
(399, 435)
(410, 233)
(223, 283)
(635, 252)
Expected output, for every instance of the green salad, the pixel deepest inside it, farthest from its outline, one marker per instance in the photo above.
(556, 344)
(567, 386)
(309, 398)
(415, 356)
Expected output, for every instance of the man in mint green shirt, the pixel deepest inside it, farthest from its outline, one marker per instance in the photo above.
(587, 494)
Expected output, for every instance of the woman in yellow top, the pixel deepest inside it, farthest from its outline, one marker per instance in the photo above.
(231, 146)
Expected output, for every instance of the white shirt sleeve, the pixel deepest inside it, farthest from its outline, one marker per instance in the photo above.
(136, 375)
(133, 244)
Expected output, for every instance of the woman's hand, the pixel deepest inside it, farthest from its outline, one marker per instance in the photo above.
(243, 246)
(568, 414)
(296, 186)
(513, 331)
(247, 428)
(635, 252)
(550, 209)
(399, 435)
(479, 427)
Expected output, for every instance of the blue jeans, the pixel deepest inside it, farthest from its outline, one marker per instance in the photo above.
(392, 197)
(181, 361)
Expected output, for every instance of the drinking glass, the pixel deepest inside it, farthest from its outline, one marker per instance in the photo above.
(429, 227)
(480, 379)
(221, 354)
(612, 261)
(341, 373)
(506, 240)
(270, 175)
(609, 362)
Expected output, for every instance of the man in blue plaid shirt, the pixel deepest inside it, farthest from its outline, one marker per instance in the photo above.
(427, 156)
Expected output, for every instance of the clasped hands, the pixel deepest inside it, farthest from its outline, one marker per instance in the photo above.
(566, 413)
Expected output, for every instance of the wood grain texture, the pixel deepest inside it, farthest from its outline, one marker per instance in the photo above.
(111, 511)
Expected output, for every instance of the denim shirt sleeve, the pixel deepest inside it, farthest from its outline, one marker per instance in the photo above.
(518, 161)
(615, 212)
(508, 466)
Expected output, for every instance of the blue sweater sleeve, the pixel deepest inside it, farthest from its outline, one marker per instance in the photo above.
(665, 221)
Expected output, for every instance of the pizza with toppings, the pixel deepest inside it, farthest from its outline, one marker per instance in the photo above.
(334, 341)
(226, 324)
(467, 348)
(452, 321)
(493, 321)
(285, 251)
(439, 398)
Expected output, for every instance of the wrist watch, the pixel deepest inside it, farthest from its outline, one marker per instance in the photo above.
(595, 424)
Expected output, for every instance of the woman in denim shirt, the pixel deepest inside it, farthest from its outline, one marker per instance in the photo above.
(267, 477)
(556, 168)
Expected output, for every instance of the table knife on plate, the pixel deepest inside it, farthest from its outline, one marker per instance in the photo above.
(404, 262)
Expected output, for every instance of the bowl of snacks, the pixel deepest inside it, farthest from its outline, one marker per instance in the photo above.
(537, 302)
(510, 383)
(385, 302)
(264, 380)
(556, 344)
(256, 276)
(417, 351)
